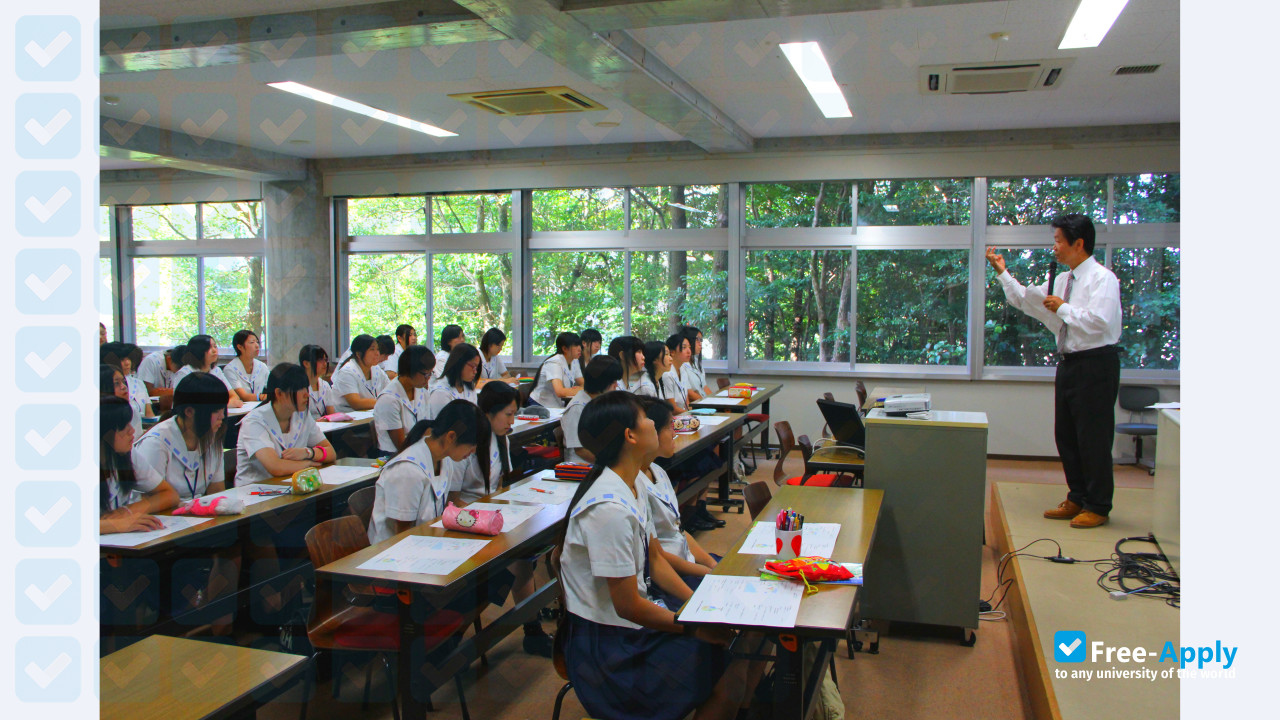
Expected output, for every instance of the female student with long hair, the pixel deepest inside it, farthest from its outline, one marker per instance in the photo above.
(657, 361)
(111, 382)
(320, 398)
(672, 386)
(450, 337)
(358, 380)
(695, 378)
(491, 366)
(406, 337)
(403, 402)
(279, 437)
(458, 381)
(627, 655)
(629, 352)
(246, 373)
(553, 384)
(413, 486)
(129, 489)
(201, 355)
(484, 473)
(185, 447)
(125, 357)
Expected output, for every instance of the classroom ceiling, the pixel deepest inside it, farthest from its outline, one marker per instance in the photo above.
(733, 85)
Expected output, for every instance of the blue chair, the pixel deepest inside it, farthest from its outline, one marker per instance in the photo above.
(1136, 399)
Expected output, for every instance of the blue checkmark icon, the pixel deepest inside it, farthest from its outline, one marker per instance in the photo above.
(1069, 646)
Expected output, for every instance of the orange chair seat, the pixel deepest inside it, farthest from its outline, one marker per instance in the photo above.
(818, 480)
(374, 630)
(757, 417)
(545, 452)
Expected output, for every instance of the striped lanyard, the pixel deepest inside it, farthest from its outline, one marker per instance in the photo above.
(316, 404)
(190, 467)
(238, 369)
(439, 491)
(295, 423)
(616, 498)
(662, 496)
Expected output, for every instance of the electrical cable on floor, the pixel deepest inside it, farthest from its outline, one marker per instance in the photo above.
(1003, 584)
(1139, 574)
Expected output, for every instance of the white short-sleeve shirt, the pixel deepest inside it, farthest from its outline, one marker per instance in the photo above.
(555, 368)
(606, 538)
(492, 368)
(186, 370)
(469, 480)
(146, 479)
(442, 394)
(646, 387)
(569, 426)
(320, 398)
(693, 378)
(392, 364)
(255, 381)
(442, 357)
(189, 471)
(664, 508)
(153, 369)
(395, 411)
(138, 400)
(408, 490)
(348, 380)
(260, 430)
(673, 389)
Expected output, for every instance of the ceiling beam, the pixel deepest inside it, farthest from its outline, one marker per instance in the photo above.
(180, 151)
(608, 15)
(619, 64)
(290, 36)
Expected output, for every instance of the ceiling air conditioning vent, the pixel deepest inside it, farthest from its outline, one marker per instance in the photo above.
(1135, 69)
(993, 78)
(530, 101)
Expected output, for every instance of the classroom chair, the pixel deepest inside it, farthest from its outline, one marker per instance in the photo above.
(360, 504)
(757, 495)
(561, 666)
(787, 443)
(335, 625)
(806, 451)
(1136, 399)
(862, 394)
(723, 383)
(826, 429)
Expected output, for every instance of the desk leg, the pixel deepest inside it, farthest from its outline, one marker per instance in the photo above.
(764, 436)
(407, 676)
(788, 667)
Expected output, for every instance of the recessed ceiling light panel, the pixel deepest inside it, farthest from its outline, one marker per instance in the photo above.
(810, 64)
(360, 108)
(1091, 22)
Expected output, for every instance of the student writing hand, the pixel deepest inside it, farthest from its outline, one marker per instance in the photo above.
(126, 520)
(996, 260)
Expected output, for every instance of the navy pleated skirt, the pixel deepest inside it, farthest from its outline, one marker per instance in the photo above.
(640, 674)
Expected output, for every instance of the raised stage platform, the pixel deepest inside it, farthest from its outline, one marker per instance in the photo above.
(1047, 597)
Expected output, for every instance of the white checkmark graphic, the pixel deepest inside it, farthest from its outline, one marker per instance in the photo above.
(44, 598)
(44, 366)
(44, 288)
(45, 675)
(45, 520)
(44, 444)
(46, 132)
(1068, 649)
(47, 54)
(45, 210)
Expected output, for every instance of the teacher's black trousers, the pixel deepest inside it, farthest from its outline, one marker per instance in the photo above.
(1084, 399)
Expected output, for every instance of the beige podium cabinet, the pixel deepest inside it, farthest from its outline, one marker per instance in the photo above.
(1168, 488)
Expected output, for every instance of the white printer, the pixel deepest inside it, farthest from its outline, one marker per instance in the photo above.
(903, 404)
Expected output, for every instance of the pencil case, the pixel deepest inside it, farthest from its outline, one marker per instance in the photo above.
(208, 507)
(337, 417)
(481, 522)
(305, 481)
(686, 423)
(572, 471)
(740, 392)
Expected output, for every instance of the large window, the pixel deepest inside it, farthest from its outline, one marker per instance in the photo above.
(1150, 305)
(798, 305)
(387, 216)
(913, 307)
(1037, 201)
(472, 290)
(478, 213)
(386, 290)
(671, 289)
(798, 205)
(1147, 198)
(164, 222)
(573, 291)
(166, 299)
(914, 202)
(677, 207)
(105, 297)
(579, 209)
(233, 297)
(228, 221)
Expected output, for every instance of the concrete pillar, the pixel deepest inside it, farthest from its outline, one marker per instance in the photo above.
(300, 305)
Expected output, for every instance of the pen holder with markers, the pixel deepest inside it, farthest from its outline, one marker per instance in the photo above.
(787, 543)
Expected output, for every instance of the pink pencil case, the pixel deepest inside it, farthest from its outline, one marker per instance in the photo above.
(337, 417)
(208, 507)
(481, 522)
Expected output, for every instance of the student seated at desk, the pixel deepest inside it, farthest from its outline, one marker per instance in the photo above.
(491, 366)
(673, 387)
(602, 376)
(279, 438)
(403, 402)
(591, 341)
(102, 334)
(554, 383)
(125, 357)
(683, 552)
(657, 361)
(201, 355)
(458, 381)
(626, 654)
(450, 337)
(358, 380)
(413, 487)
(406, 336)
(629, 352)
(157, 369)
(694, 377)
(185, 447)
(320, 398)
(130, 490)
(111, 383)
(246, 373)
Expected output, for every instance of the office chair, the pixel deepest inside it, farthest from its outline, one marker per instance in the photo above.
(1136, 399)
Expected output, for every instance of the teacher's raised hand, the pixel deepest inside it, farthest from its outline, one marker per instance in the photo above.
(996, 260)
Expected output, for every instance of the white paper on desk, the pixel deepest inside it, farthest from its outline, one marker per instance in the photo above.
(1165, 406)
(517, 423)
(326, 427)
(555, 413)
(361, 414)
(709, 420)
(245, 493)
(744, 601)
(542, 492)
(172, 524)
(343, 474)
(817, 539)
(512, 515)
(720, 401)
(245, 408)
(425, 554)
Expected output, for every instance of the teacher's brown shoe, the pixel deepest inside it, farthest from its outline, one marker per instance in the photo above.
(1065, 511)
(1088, 519)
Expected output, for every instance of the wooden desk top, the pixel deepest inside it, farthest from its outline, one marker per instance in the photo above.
(166, 678)
(707, 435)
(835, 455)
(275, 504)
(826, 612)
(532, 429)
(767, 391)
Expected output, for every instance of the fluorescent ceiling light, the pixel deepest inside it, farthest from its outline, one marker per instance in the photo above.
(1092, 21)
(807, 60)
(360, 108)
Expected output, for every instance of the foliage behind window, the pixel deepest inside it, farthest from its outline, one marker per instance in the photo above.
(1147, 198)
(472, 290)
(914, 202)
(678, 207)
(573, 291)
(670, 289)
(913, 307)
(798, 305)
(386, 290)
(796, 205)
(483, 212)
(579, 209)
(1037, 201)
(387, 216)
(1150, 306)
